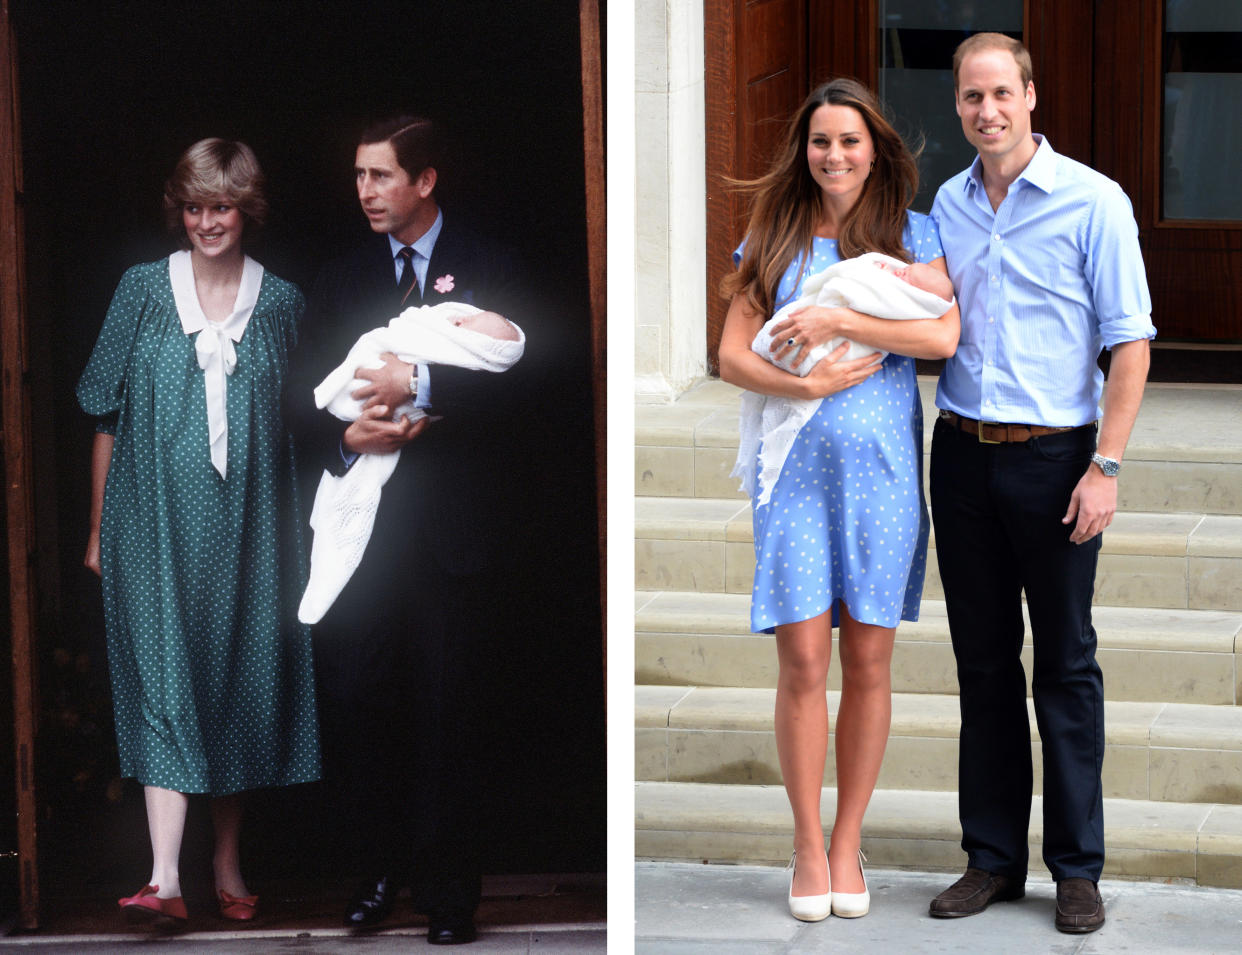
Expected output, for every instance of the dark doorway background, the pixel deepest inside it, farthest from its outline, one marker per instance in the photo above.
(111, 93)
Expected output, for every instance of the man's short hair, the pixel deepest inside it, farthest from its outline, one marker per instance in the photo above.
(993, 41)
(414, 139)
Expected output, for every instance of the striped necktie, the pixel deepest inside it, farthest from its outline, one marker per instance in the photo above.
(409, 278)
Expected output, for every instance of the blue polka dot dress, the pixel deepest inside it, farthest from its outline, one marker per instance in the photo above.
(847, 519)
(212, 678)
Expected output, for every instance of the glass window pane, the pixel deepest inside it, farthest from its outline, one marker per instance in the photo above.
(1202, 101)
(917, 40)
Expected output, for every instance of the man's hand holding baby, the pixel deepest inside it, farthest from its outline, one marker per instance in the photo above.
(373, 432)
(388, 385)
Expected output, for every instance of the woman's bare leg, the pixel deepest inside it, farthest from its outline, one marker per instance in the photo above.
(862, 733)
(226, 817)
(804, 650)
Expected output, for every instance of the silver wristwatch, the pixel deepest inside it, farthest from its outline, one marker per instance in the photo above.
(413, 386)
(1109, 466)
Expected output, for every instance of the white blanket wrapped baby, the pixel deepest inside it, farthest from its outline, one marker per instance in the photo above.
(344, 511)
(875, 284)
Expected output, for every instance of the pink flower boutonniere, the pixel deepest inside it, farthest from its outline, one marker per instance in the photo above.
(444, 284)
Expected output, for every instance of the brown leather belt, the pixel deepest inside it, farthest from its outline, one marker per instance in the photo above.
(993, 433)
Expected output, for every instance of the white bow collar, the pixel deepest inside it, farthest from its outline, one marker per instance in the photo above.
(214, 344)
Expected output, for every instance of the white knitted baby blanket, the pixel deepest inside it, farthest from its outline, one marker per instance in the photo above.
(344, 511)
(768, 424)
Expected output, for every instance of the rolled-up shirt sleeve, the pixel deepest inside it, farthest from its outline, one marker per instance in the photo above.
(1114, 265)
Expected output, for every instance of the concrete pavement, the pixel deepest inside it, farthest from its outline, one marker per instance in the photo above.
(682, 908)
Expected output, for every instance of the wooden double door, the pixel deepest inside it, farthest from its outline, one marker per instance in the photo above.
(1108, 74)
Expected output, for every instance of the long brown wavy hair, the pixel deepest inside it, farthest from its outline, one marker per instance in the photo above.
(786, 203)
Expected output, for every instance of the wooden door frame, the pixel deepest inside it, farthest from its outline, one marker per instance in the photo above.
(723, 145)
(19, 488)
(597, 230)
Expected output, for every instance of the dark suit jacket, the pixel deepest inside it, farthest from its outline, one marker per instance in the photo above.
(447, 501)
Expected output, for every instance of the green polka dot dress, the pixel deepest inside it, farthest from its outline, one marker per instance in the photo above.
(211, 672)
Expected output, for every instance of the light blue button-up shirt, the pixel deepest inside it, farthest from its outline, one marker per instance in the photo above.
(1044, 283)
(423, 248)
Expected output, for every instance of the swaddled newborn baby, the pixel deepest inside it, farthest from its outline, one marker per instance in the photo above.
(421, 330)
(849, 283)
(875, 284)
(344, 511)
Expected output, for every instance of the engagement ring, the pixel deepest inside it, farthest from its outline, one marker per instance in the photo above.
(791, 343)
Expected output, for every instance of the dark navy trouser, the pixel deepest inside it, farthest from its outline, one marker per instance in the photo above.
(997, 510)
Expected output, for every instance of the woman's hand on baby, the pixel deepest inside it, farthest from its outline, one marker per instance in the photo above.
(831, 375)
(374, 433)
(387, 385)
(805, 329)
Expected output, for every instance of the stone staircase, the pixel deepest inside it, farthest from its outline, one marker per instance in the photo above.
(1168, 613)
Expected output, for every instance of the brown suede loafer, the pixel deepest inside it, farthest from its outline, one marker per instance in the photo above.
(973, 893)
(1079, 906)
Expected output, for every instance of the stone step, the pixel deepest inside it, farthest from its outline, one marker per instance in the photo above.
(1166, 752)
(1185, 453)
(705, 822)
(1175, 656)
(1183, 561)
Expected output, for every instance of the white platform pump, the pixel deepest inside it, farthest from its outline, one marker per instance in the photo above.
(852, 905)
(808, 908)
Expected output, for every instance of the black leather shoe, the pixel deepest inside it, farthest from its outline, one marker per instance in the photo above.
(1079, 906)
(372, 904)
(451, 931)
(973, 893)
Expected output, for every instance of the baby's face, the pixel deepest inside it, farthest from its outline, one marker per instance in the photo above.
(919, 274)
(901, 271)
(490, 324)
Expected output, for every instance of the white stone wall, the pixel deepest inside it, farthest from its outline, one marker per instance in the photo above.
(670, 348)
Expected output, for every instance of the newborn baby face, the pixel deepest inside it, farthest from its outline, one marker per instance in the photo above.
(921, 276)
(490, 324)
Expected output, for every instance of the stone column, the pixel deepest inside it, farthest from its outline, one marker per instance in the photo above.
(670, 200)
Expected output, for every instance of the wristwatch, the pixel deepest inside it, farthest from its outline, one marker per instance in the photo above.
(414, 383)
(1109, 466)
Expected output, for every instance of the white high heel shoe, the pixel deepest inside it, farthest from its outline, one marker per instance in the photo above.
(852, 905)
(808, 908)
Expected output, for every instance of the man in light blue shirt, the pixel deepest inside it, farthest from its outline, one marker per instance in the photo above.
(1044, 254)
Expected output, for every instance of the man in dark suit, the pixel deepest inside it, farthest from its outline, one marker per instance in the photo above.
(402, 651)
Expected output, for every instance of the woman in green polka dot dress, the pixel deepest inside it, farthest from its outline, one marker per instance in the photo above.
(194, 525)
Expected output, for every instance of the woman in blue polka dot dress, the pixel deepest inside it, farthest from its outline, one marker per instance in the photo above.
(195, 526)
(843, 539)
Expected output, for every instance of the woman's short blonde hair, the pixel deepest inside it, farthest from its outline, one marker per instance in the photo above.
(214, 168)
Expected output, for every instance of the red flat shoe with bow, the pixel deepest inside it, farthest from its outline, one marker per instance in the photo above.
(239, 908)
(146, 905)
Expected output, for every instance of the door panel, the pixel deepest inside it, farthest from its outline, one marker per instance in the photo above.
(1191, 162)
(756, 66)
